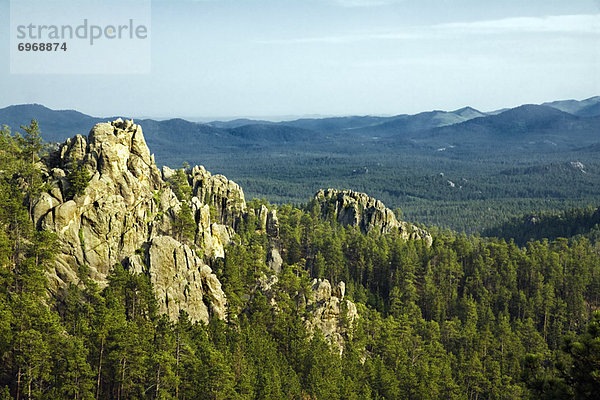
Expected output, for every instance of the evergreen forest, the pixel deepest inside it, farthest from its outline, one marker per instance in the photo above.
(510, 314)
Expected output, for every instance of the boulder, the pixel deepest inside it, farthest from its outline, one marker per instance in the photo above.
(44, 203)
(262, 218)
(272, 225)
(321, 290)
(340, 290)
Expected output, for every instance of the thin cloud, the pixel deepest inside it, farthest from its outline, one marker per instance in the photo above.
(455, 61)
(581, 24)
(341, 39)
(559, 24)
(366, 3)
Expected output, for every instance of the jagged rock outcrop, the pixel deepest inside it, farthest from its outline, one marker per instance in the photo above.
(127, 206)
(272, 227)
(181, 279)
(325, 307)
(269, 224)
(358, 209)
(266, 284)
(329, 312)
(262, 216)
(218, 206)
(109, 221)
(274, 259)
(216, 191)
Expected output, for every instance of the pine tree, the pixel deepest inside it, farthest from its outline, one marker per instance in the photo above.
(78, 178)
(32, 145)
(184, 225)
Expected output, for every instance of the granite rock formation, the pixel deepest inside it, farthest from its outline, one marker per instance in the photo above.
(330, 312)
(127, 207)
(358, 209)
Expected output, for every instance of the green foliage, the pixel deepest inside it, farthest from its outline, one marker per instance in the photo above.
(184, 226)
(491, 186)
(30, 146)
(180, 185)
(213, 214)
(398, 213)
(78, 178)
(550, 225)
(30, 332)
(32, 142)
(466, 318)
(583, 373)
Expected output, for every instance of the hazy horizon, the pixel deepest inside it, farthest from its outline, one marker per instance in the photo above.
(280, 118)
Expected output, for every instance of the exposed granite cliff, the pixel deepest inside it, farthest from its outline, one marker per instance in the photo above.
(181, 280)
(128, 206)
(358, 209)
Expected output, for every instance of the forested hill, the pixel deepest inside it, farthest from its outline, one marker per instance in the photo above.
(121, 281)
(550, 225)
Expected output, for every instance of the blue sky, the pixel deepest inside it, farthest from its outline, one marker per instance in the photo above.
(228, 58)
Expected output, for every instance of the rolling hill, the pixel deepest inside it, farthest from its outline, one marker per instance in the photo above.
(405, 125)
(529, 127)
(57, 125)
(568, 123)
(585, 108)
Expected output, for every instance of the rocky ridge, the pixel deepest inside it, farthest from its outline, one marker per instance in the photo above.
(358, 209)
(126, 215)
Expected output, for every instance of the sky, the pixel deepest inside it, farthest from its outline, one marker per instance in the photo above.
(220, 59)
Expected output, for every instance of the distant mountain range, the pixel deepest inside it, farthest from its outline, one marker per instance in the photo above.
(406, 124)
(584, 108)
(527, 126)
(566, 125)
